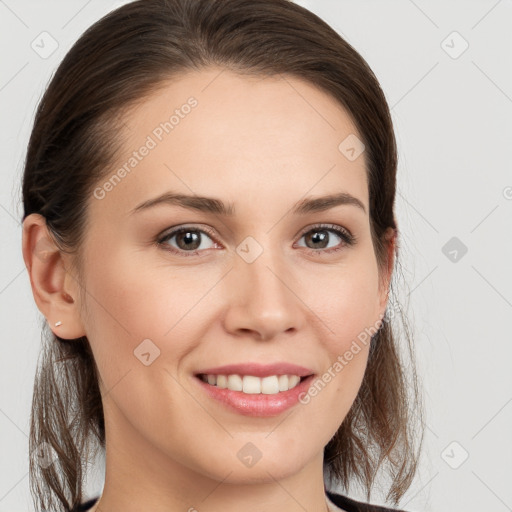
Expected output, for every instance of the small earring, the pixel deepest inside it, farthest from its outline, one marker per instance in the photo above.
(58, 323)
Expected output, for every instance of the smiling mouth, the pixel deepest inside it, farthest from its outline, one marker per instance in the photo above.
(250, 384)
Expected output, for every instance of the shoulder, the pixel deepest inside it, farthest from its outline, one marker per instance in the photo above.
(350, 505)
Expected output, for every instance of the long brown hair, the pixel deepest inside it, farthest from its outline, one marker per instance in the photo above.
(119, 61)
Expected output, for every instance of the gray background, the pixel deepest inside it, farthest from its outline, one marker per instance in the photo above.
(452, 115)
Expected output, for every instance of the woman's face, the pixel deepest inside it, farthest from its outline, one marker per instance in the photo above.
(260, 283)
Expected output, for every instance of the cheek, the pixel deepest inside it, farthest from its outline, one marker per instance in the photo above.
(120, 291)
(130, 301)
(350, 306)
(350, 312)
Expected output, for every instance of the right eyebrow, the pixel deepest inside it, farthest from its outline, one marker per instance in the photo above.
(203, 204)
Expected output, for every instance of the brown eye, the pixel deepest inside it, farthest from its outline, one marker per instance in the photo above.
(325, 239)
(187, 240)
(318, 238)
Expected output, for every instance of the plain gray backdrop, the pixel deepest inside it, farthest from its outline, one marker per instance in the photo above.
(446, 70)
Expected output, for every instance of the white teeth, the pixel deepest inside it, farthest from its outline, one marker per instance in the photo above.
(222, 381)
(250, 384)
(293, 380)
(270, 385)
(234, 382)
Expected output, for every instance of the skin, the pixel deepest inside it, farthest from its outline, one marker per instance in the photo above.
(263, 144)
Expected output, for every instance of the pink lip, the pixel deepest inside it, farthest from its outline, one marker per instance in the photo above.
(260, 405)
(258, 370)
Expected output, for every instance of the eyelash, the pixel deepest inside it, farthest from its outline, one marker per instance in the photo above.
(345, 235)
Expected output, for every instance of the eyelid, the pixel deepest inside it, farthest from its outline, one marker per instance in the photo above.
(327, 226)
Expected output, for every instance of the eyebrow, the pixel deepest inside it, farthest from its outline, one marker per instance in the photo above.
(216, 206)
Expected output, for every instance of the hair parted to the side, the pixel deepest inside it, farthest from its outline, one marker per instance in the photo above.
(119, 61)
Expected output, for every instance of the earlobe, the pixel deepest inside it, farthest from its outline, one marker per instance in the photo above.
(47, 270)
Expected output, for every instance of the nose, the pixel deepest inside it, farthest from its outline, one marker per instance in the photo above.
(262, 302)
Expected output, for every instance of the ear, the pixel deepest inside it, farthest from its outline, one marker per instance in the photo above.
(55, 290)
(390, 238)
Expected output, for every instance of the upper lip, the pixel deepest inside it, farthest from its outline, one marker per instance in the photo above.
(258, 370)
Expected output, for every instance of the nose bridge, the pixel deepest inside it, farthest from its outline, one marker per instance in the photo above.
(261, 295)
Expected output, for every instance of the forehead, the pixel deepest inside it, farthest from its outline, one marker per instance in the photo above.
(218, 133)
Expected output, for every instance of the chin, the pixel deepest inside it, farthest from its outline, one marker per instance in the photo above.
(276, 465)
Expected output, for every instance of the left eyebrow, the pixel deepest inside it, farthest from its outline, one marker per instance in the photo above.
(320, 204)
(216, 206)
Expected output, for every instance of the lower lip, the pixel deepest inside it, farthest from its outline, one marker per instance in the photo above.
(260, 404)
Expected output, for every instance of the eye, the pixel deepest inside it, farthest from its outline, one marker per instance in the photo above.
(188, 240)
(319, 239)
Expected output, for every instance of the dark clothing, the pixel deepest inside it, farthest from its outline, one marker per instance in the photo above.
(356, 506)
(85, 506)
(339, 500)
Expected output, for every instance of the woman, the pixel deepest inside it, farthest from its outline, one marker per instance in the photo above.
(209, 232)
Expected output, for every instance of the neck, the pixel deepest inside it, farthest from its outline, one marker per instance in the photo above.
(140, 476)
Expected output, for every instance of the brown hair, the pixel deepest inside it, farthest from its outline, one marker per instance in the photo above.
(118, 62)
